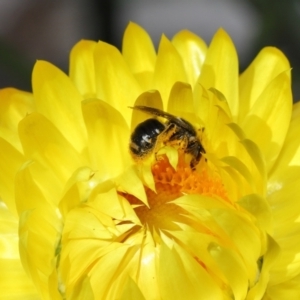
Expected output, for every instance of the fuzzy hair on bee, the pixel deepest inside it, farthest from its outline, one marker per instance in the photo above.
(175, 131)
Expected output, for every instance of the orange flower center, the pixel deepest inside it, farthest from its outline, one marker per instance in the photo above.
(171, 184)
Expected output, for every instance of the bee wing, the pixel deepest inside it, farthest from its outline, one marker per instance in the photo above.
(160, 113)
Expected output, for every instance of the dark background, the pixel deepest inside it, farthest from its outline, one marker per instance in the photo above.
(47, 29)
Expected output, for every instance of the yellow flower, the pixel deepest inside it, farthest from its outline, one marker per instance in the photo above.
(84, 220)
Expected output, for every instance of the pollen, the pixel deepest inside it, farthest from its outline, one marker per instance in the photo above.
(171, 184)
(188, 181)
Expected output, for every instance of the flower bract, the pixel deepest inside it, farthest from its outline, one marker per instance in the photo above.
(81, 218)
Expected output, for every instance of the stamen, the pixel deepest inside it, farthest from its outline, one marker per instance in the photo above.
(171, 184)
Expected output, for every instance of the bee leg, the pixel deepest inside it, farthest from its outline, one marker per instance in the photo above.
(196, 151)
(183, 143)
(169, 131)
(194, 162)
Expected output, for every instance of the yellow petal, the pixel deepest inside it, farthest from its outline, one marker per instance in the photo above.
(245, 236)
(240, 167)
(243, 155)
(258, 290)
(14, 106)
(130, 183)
(10, 162)
(115, 84)
(232, 267)
(171, 153)
(288, 264)
(220, 69)
(51, 148)
(139, 53)
(212, 110)
(259, 208)
(131, 291)
(287, 166)
(88, 236)
(138, 49)
(77, 189)
(286, 290)
(256, 158)
(286, 211)
(82, 69)
(181, 277)
(28, 194)
(125, 259)
(108, 138)
(168, 69)
(270, 116)
(57, 99)
(146, 175)
(36, 185)
(83, 290)
(39, 238)
(9, 234)
(193, 50)
(181, 100)
(268, 64)
(228, 228)
(223, 264)
(114, 206)
(147, 276)
(14, 282)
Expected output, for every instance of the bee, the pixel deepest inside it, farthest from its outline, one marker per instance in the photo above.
(174, 132)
